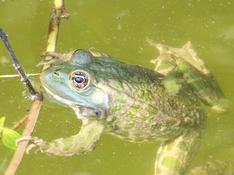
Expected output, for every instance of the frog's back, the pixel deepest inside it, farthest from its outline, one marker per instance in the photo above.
(140, 108)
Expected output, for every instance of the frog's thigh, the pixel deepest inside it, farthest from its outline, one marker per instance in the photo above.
(173, 157)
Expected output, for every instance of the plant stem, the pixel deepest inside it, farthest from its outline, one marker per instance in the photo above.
(19, 153)
(17, 65)
(17, 75)
(57, 13)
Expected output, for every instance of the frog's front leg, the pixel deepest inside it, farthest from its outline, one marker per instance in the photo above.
(80, 143)
(184, 66)
(55, 58)
(173, 157)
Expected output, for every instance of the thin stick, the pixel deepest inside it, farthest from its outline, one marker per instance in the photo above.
(19, 153)
(16, 64)
(17, 75)
(34, 110)
(19, 123)
(57, 12)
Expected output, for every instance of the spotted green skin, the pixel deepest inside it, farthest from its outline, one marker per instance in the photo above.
(134, 103)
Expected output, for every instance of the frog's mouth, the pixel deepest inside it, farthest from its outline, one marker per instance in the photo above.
(57, 97)
(80, 110)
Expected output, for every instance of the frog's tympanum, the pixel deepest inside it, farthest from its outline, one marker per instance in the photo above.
(135, 103)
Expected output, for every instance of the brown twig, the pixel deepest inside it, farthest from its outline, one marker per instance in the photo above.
(37, 100)
(19, 123)
(57, 13)
(19, 153)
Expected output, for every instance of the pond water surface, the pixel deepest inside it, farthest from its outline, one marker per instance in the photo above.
(118, 28)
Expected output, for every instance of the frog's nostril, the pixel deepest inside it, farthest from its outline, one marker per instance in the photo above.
(56, 73)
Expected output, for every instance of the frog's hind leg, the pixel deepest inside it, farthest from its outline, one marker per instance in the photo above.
(173, 157)
(188, 69)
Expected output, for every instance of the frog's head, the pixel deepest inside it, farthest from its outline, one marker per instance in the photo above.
(73, 83)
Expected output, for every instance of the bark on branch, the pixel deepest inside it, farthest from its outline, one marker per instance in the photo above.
(57, 13)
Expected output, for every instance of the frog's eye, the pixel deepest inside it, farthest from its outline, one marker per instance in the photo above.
(79, 79)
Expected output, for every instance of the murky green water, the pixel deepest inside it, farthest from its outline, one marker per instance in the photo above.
(118, 28)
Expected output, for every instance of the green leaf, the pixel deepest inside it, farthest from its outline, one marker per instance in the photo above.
(2, 121)
(9, 138)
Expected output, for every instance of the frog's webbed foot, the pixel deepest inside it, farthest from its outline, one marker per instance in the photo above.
(97, 53)
(55, 58)
(164, 63)
(184, 67)
(54, 55)
(34, 143)
(173, 156)
(170, 57)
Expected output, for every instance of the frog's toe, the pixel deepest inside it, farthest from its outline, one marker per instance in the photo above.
(159, 46)
(53, 57)
(45, 62)
(24, 138)
(65, 14)
(51, 54)
(221, 106)
(34, 142)
(150, 41)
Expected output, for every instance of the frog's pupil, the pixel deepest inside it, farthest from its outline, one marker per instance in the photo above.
(79, 79)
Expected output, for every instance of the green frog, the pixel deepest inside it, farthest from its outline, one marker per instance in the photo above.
(135, 103)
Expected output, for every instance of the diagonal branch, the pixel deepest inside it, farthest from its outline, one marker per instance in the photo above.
(57, 13)
(19, 153)
(17, 65)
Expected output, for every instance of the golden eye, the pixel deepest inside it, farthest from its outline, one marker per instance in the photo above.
(79, 79)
